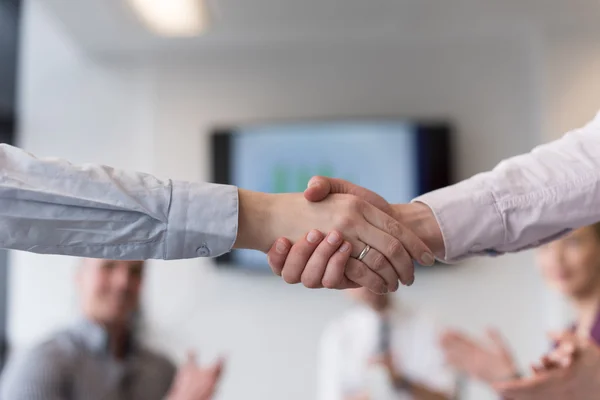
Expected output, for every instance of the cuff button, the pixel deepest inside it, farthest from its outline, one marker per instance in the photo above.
(203, 251)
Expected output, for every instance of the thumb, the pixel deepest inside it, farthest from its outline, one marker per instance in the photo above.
(219, 366)
(319, 187)
(496, 338)
(191, 357)
(499, 343)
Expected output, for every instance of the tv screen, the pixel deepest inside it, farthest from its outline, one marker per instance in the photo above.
(396, 158)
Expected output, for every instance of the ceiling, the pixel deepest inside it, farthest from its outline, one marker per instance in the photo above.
(109, 26)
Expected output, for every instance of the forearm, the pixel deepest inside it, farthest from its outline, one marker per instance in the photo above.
(255, 221)
(525, 201)
(52, 206)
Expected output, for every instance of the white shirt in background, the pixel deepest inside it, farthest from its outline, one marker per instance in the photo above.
(350, 342)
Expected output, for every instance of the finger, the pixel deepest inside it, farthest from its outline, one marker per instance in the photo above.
(191, 357)
(219, 367)
(410, 242)
(361, 274)
(335, 277)
(278, 254)
(536, 369)
(313, 274)
(318, 189)
(398, 260)
(298, 257)
(495, 337)
(555, 336)
(565, 349)
(452, 339)
(548, 363)
(498, 341)
(451, 336)
(460, 350)
(380, 265)
(560, 358)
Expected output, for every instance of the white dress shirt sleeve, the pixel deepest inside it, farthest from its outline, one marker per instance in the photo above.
(525, 201)
(54, 207)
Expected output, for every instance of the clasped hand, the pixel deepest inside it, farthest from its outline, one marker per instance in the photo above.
(319, 245)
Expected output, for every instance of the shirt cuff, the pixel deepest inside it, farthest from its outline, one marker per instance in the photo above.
(468, 217)
(203, 220)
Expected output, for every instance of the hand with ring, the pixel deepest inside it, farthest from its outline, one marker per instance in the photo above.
(325, 260)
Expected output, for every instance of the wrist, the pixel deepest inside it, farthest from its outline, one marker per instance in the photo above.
(419, 218)
(254, 220)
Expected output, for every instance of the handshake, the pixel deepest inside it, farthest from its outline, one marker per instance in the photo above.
(339, 236)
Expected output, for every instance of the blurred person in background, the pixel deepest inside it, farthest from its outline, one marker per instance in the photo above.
(382, 350)
(100, 357)
(571, 266)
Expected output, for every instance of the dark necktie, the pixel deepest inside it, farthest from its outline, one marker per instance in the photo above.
(383, 335)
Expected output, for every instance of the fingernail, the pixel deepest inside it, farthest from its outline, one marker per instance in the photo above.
(412, 280)
(345, 247)
(427, 259)
(313, 236)
(312, 182)
(280, 247)
(333, 238)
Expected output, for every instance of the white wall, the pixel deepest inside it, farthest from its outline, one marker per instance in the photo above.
(572, 89)
(155, 118)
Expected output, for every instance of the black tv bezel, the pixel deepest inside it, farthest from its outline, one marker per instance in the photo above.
(440, 131)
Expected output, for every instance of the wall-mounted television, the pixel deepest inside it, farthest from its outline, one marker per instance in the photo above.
(399, 159)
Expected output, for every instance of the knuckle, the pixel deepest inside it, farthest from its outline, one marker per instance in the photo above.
(393, 228)
(356, 271)
(396, 249)
(353, 205)
(379, 262)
